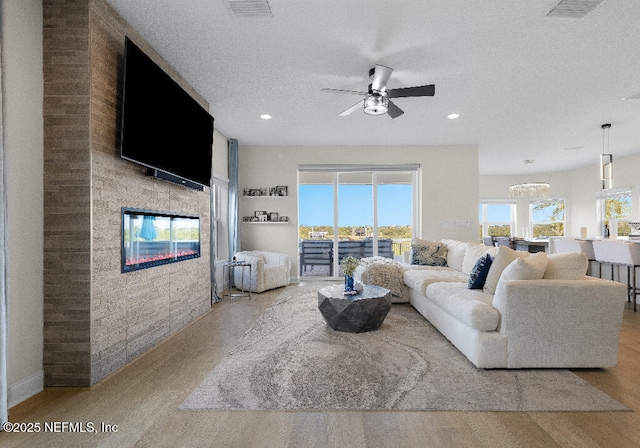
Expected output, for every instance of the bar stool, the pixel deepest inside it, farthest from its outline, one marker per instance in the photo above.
(564, 245)
(488, 241)
(618, 253)
(503, 241)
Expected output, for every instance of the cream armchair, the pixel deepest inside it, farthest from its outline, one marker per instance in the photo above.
(269, 270)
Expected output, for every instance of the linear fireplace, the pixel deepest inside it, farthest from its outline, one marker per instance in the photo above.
(152, 238)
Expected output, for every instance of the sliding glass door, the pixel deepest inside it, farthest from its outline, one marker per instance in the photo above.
(397, 215)
(352, 211)
(355, 215)
(316, 219)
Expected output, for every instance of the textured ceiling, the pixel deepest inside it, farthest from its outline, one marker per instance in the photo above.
(525, 86)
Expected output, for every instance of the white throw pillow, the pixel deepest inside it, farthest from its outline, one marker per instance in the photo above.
(472, 254)
(566, 266)
(502, 259)
(455, 254)
(529, 268)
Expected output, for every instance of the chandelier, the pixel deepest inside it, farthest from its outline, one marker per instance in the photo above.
(529, 190)
(606, 160)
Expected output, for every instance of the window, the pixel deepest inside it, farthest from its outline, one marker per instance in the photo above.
(497, 219)
(547, 218)
(359, 210)
(219, 217)
(616, 204)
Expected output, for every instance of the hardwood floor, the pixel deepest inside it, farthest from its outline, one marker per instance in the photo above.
(143, 397)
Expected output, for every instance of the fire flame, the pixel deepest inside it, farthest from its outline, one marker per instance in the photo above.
(160, 257)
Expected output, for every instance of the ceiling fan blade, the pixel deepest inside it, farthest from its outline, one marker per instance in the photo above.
(428, 90)
(380, 78)
(394, 111)
(355, 92)
(353, 108)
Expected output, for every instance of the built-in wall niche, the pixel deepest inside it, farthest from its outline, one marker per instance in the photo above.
(153, 238)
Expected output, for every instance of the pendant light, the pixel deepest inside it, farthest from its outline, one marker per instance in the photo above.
(606, 159)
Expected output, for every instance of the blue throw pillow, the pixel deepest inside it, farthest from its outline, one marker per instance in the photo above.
(479, 272)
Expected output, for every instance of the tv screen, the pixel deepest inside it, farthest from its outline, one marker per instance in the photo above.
(163, 127)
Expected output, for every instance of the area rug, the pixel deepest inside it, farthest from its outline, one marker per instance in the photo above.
(290, 359)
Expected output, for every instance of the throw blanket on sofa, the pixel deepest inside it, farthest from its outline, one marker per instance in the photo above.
(384, 272)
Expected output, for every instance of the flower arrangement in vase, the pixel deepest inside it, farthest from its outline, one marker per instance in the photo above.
(349, 266)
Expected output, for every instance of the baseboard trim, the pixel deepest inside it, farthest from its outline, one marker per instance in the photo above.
(26, 388)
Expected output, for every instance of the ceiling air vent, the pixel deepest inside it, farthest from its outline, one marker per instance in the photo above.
(573, 9)
(249, 8)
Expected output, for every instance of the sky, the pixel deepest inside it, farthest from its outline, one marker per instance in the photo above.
(355, 205)
(497, 213)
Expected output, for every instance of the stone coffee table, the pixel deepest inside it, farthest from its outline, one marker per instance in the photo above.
(357, 313)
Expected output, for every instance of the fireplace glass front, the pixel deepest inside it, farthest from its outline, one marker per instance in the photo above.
(152, 238)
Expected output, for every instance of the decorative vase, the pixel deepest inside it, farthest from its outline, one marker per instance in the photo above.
(348, 283)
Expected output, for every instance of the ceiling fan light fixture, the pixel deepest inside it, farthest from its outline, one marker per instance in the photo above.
(376, 105)
(377, 99)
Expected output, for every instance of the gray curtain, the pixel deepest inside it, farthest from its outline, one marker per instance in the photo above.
(234, 211)
(4, 398)
(213, 240)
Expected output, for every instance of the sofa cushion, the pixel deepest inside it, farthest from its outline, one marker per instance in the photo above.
(529, 268)
(479, 272)
(473, 252)
(422, 242)
(274, 276)
(455, 253)
(471, 306)
(502, 259)
(566, 266)
(429, 254)
(419, 279)
(418, 242)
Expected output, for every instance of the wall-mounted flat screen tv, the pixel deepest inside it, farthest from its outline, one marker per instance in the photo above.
(163, 127)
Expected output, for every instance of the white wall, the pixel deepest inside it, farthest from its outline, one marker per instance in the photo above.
(578, 186)
(23, 144)
(220, 155)
(449, 188)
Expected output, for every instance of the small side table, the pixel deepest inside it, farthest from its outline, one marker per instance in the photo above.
(227, 271)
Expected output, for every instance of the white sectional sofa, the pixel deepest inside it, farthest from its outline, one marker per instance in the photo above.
(534, 310)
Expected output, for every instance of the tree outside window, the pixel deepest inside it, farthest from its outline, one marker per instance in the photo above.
(496, 219)
(618, 207)
(547, 218)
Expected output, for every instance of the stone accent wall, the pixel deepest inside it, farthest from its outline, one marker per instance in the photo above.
(96, 318)
(67, 194)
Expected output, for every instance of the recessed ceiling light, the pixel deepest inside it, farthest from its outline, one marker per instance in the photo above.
(266, 116)
(573, 148)
(453, 116)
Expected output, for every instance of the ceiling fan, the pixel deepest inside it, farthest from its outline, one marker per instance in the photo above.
(377, 100)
